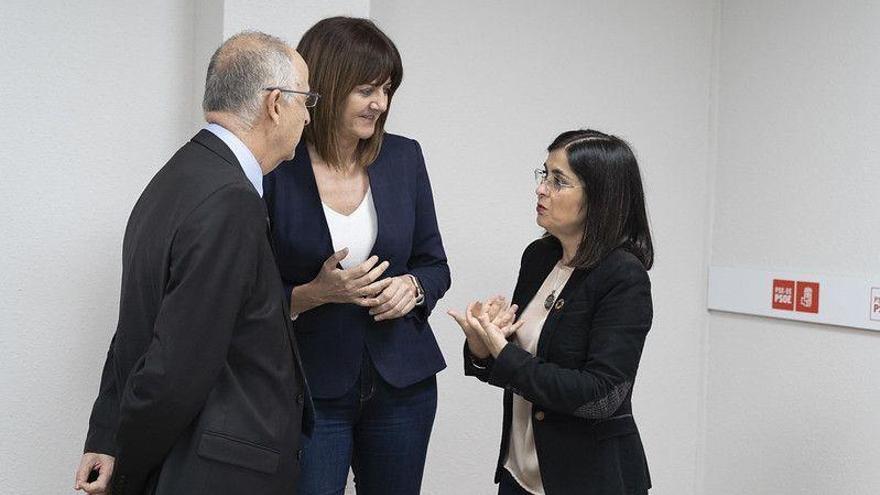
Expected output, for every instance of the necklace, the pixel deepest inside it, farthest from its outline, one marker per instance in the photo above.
(548, 303)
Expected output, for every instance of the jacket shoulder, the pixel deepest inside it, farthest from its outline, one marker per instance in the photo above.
(192, 177)
(544, 246)
(621, 267)
(204, 172)
(622, 258)
(398, 141)
(400, 147)
(402, 157)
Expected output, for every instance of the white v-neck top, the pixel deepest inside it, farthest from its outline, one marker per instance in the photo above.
(357, 231)
(522, 460)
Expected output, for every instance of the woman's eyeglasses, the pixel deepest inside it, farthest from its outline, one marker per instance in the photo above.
(552, 181)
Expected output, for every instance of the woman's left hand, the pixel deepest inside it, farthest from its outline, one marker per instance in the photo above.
(494, 332)
(398, 299)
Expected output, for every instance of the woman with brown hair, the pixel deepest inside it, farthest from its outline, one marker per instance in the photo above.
(358, 247)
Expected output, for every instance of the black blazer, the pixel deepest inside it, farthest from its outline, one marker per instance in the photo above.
(332, 337)
(580, 382)
(202, 391)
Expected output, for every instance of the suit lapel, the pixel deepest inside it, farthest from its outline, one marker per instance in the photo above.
(549, 328)
(540, 266)
(311, 201)
(209, 140)
(379, 183)
(534, 272)
(312, 206)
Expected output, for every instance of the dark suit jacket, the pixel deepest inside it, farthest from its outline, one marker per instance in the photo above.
(202, 391)
(332, 336)
(580, 381)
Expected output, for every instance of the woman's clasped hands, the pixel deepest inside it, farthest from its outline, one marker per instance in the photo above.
(387, 298)
(487, 325)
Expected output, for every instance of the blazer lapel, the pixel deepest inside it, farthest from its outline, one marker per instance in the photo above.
(533, 277)
(209, 140)
(549, 328)
(311, 202)
(379, 184)
(312, 206)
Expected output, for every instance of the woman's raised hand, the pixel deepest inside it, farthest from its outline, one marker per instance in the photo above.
(497, 313)
(494, 331)
(357, 285)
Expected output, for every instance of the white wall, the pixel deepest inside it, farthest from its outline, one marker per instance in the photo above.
(769, 108)
(93, 98)
(792, 407)
(286, 18)
(487, 86)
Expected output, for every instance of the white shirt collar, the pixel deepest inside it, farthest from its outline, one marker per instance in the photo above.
(245, 157)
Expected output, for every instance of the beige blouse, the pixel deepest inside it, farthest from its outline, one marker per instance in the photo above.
(522, 460)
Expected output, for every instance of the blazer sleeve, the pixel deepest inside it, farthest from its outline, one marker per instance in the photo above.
(212, 269)
(427, 260)
(617, 335)
(105, 413)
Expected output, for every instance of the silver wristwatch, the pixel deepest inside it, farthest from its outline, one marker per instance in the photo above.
(420, 293)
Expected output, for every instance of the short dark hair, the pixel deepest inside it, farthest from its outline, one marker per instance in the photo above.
(344, 52)
(614, 198)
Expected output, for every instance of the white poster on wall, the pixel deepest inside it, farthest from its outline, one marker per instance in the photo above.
(829, 300)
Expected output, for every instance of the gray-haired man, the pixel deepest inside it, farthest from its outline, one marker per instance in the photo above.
(202, 391)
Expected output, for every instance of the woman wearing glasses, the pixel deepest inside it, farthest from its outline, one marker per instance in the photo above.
(360, 253)
(583, 308)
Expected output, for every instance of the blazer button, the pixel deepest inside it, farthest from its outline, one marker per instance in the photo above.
(299, 455)
(539, 415)
(300, 399)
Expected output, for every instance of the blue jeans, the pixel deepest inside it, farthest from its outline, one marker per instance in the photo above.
(380, 431)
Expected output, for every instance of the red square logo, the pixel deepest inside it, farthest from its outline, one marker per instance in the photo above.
(807, 297)
(783, 294)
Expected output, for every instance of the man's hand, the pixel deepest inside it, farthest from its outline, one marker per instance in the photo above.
(103, 464)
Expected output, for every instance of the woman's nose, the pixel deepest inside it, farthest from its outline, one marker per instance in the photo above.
(541, 190)
(380, 103)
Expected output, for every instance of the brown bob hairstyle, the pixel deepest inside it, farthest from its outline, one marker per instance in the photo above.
(344, 52)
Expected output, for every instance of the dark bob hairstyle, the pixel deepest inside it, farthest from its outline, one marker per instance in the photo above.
(613, 197)
(344, 52)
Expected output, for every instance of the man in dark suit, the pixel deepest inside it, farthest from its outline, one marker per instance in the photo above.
(202, 391)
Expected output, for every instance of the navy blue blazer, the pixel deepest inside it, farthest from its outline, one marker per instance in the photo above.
(332, 337)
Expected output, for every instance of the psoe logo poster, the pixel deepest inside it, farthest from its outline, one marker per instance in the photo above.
(875, 303)
(807, 297)
(783, 294)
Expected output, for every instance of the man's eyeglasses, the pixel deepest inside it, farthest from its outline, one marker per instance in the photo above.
(311, 97)
(552, 181)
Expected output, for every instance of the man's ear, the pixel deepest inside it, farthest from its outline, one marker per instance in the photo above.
(272, 104)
